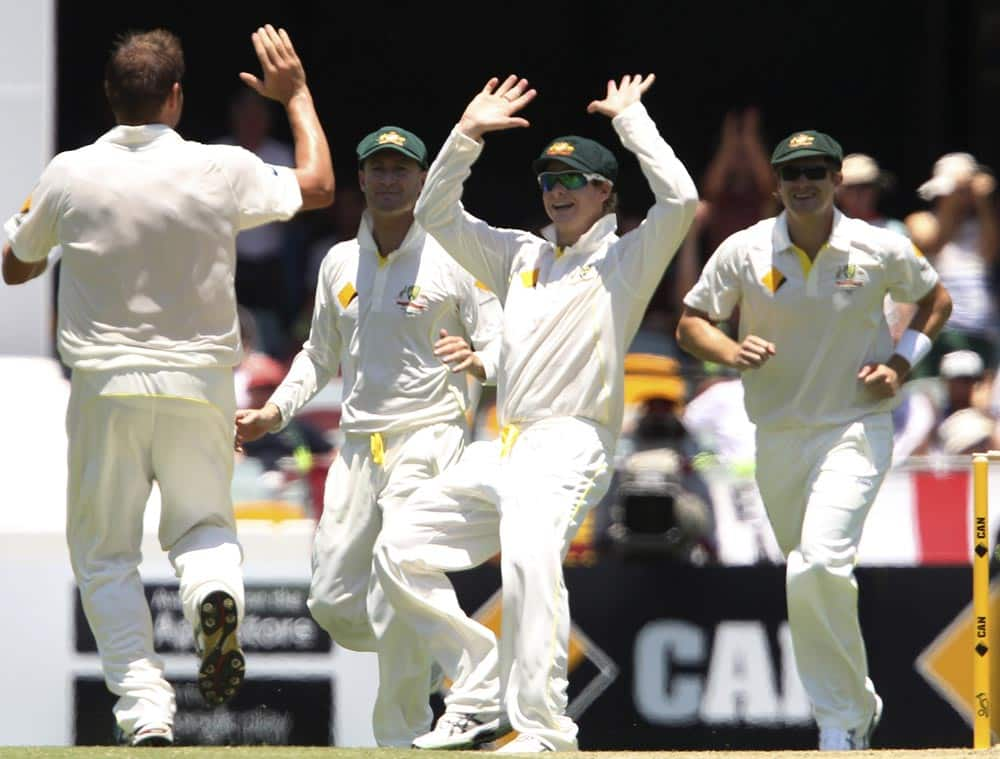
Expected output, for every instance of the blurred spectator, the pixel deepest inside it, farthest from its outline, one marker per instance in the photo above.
(266, 279)
(965, 425)
(960, 237)
(966, 431)
(737, 189)
(738, 185)
(717, 418)
(249, 340)
(943, 415)
(336, 223)
(862, 188)
(276, 467)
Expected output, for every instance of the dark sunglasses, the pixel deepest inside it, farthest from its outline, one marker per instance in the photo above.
(571, 180)
(814, 173)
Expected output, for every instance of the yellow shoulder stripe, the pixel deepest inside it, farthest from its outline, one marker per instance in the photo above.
(481, 286)
(27, 205)
(346, 295)
(529, 278)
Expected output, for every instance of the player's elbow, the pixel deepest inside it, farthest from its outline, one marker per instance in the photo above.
(16, 271)
(318, 189)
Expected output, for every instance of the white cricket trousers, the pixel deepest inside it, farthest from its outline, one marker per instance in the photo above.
(366, 489)
(818, 485)
(118, 445)
(524, 495)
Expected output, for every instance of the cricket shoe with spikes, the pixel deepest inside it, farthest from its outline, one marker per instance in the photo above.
(222, 664)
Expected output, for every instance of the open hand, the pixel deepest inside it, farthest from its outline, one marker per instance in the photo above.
(494, 107)
(620, 96)
(284, 75)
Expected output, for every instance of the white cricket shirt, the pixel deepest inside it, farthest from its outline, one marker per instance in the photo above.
(377, 318)
(147, 222)
(569, 314)
(826, 319)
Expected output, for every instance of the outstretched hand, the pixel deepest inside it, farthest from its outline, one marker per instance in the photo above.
(620, 96)
(493, 108)
(284, 75)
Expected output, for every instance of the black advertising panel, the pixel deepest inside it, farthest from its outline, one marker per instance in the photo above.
(276, 621)
(269, 712)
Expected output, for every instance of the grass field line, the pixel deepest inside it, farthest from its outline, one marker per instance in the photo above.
(314, 752)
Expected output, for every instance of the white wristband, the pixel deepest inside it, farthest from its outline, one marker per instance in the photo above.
(913, 346)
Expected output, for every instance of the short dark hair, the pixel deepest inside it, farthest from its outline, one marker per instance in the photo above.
(140, 73)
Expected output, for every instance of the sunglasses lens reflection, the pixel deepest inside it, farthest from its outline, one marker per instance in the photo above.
(571, 180)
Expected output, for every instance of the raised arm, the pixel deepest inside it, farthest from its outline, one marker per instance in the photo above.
(485, 252)
(645, 252)
(493, 108)
(285, 81)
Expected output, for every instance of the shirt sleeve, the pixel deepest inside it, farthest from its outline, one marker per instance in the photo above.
(263, 192)
(484, 251)
(719, 289)
(645, 252)
(34, 230)
(910, 274)
(319, 359)
(483, 319)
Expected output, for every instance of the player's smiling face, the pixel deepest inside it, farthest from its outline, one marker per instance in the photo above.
(390, 182)
(807, 185)
(573, 212)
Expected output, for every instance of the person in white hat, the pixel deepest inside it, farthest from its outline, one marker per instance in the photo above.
(961, 237)
(921, 432)
(858, 196)
(862, 188)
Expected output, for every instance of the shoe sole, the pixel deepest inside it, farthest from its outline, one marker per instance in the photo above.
(223, 667)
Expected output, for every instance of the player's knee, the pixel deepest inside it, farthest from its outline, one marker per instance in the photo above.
(347, 624)
(810, 567)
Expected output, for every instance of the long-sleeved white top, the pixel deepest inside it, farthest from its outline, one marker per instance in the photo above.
(376, 318)
(570, 313)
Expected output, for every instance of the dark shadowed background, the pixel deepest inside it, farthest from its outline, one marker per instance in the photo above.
(905, 82)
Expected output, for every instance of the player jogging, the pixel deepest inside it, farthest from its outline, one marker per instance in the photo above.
(821, 376)
(390, 307)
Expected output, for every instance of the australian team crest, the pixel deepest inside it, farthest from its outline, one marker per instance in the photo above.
(409, 300)
(850, 276)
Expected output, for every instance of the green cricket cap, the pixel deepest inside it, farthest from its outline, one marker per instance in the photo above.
(393, 138)
(580, 153)
(805, 144)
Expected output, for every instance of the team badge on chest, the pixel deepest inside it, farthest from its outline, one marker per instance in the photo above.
(410, 302)
(850, 276)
